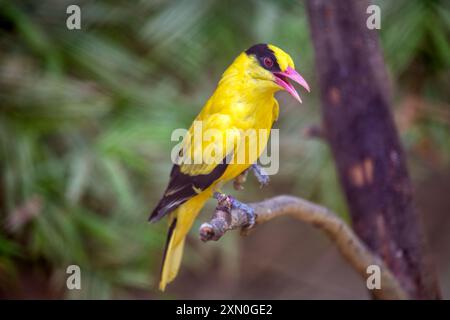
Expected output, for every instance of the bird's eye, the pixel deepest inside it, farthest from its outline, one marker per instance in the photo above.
(268, 62)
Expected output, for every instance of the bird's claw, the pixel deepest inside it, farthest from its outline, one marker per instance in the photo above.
(239, 181)
(260, 174)
(227, 203)
(251, 217)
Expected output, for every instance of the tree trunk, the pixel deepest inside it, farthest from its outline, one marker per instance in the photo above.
(361, 132)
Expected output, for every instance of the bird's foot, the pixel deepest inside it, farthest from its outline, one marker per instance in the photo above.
(260, 174)
(227, 203)
(238, 182)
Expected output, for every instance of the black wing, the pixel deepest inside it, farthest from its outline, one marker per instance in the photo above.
(183, 187)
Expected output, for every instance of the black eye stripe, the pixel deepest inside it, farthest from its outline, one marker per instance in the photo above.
(261, 51)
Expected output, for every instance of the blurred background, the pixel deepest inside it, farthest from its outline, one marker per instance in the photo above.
(85, 123)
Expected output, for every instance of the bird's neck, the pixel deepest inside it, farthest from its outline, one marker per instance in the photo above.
(238, 83)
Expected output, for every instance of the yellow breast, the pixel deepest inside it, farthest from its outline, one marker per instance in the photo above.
(240, 107)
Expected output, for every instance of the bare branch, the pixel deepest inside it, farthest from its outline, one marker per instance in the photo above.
(227, 217)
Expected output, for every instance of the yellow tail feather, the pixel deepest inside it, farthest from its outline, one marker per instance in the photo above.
(171, 263)
(181, 222)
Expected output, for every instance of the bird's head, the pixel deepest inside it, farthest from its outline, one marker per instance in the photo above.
(273, 68)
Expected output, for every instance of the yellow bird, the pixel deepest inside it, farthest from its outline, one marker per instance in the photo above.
(244, 100)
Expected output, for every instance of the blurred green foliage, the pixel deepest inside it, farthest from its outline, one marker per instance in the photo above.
(86, 118)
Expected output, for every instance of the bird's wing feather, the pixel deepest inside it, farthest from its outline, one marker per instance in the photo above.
(201, 154)
(201, 162)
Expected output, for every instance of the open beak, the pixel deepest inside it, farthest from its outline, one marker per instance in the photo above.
(281, 79)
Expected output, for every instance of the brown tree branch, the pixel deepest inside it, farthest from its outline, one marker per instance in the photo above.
(349, 245)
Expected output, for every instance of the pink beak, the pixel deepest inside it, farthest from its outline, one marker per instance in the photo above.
(281, 80)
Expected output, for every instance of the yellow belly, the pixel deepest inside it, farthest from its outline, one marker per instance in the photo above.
(247, 153)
